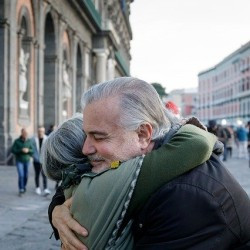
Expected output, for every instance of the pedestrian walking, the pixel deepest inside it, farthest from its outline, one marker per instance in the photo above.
(52, 128)
(37, 142)
(230, 142)
(248, 142)
(224, 134)
(212, 127)
(22, 149)
(242, 139)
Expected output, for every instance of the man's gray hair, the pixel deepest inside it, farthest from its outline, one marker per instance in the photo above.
(139, 104)
(63, 147)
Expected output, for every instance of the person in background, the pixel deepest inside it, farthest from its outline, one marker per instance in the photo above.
(212, 127)
(248, 136)
(22, 149)
(242, 139)
(248, 141)
(220, 132)
(37, 142)
(173, 108)
(52, 127)
(230, 142)
(222, 136)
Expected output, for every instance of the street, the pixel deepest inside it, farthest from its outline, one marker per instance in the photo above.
(23, 220)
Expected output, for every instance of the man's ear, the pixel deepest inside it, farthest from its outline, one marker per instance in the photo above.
(145, 135)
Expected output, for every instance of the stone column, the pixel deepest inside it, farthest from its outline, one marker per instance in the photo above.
(111, 69)
(39, 59)
(12, 63)
(101, 64)
(74, 70)
(36, 86)
(4, 28)
(86, 71)
(59, 95)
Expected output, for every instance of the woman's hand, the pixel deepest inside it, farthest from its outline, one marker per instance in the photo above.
(67, 226)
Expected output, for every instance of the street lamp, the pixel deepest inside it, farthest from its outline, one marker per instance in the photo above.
(224, 122)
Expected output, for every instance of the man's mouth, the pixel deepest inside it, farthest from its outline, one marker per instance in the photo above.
(96, 161)
(94, 158)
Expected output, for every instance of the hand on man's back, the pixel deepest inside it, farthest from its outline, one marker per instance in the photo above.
(67, 226)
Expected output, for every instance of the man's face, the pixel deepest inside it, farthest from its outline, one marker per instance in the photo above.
(106, 141)
(41, 132)
(24, 133)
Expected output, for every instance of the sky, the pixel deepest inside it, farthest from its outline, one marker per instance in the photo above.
(174, 40)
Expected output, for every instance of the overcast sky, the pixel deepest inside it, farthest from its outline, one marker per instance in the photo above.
(173, 40)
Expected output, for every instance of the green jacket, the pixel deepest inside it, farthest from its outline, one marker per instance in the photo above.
(17, 147)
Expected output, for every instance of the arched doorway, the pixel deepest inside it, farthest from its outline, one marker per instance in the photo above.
(50, 59)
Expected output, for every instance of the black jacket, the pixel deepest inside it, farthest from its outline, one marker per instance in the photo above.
(203, 209)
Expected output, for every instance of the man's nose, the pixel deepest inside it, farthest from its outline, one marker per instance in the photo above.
(88, 147)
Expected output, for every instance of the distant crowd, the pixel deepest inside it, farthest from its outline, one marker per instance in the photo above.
(232, 137)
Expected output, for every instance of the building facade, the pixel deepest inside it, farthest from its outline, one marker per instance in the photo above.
(224, 90)
(51, 52)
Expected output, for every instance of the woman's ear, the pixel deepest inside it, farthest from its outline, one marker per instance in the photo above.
(145, 135)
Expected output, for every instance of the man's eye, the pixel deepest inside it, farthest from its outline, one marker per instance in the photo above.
(99, 138)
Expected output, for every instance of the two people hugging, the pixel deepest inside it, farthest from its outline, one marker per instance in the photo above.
(135, 177)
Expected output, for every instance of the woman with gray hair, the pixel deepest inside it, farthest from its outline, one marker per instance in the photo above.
(63, 148)
(101, 200)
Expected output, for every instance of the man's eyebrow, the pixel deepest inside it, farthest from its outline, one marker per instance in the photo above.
(96, 132)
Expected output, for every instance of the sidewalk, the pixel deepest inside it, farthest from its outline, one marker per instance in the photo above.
(241, 171)
(24, 221)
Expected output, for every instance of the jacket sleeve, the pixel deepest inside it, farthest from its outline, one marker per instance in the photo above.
(58, 199)
(182, 216)
(15, 149)
(189, 147)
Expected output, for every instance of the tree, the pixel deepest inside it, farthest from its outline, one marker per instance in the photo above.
(160, 89)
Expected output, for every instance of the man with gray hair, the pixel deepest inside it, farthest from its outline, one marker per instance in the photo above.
(202, 209)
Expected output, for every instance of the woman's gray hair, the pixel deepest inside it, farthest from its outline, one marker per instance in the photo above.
(63, 147)
(139, 104)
